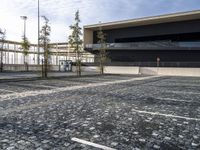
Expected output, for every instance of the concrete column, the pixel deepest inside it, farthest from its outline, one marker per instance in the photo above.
(34, 55)
(17, 61)
(68, 50)
(8, 54)
(56, 54)
(5, 54)
(12, 62)
(14, 54)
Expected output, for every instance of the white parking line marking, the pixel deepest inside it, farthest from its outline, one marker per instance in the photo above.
(175, 100)
(165, 115)
(7, 90)
(92, 144)
(183, 92)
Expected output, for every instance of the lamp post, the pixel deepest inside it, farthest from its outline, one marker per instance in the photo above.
(24, 38)
(2, 44)
(38, 46)
(24, 18)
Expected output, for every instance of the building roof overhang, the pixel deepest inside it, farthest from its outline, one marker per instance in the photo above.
(176, 17)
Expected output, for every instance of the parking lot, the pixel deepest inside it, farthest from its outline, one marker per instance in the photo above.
(118, 111)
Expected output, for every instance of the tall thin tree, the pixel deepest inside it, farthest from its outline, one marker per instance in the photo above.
(76, 42)
(44, 40)
(102, 55)
(2, 39)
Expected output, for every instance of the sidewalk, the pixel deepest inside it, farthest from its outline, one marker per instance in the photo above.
(20, 76)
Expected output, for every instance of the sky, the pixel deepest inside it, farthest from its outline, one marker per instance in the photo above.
(61, 14)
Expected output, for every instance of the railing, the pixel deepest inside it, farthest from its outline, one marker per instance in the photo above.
(150, 64)
(11, 53)
(146, 45)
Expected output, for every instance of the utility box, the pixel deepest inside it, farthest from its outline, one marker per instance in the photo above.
(65, 65)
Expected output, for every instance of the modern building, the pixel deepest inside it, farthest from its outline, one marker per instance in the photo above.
(171, 40)
(12, 53)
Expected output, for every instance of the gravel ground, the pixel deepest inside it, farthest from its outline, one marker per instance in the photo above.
(121, 112)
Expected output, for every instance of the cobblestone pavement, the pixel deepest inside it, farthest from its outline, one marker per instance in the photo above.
(121, 112)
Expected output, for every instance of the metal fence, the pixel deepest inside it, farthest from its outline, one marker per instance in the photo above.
(150, 64)
(147, 45)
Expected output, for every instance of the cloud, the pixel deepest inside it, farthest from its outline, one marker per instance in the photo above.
(61, 13)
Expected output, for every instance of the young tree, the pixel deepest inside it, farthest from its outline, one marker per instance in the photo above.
(75, 42)
(25, 47)
(2, 39)
(44, 40)
(102, 50)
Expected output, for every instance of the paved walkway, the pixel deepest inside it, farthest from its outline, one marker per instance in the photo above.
(28, 75)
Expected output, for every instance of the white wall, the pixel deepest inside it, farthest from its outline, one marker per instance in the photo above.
(90, 69)
(169, 71)
(121, 70)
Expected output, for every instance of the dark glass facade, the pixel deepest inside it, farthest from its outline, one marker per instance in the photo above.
(174, 42)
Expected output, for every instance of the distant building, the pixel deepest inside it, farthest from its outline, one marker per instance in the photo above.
(171, 40)
(13, 54)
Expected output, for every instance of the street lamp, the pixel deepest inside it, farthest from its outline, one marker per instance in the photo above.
(24, 38)
(24, 18)
(38, 46)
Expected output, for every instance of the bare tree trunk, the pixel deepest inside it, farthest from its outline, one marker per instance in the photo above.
(42, 68)
(101, 69)
(27, 67)
(79, 65)
(101, 62)
(46, 61)
(78, 62)
(1, 67)
(25, 63)
(45, 68)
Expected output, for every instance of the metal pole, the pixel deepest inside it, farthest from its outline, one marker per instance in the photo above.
(38, 59)
(24, 18)
(25, 28)
(1, 57)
